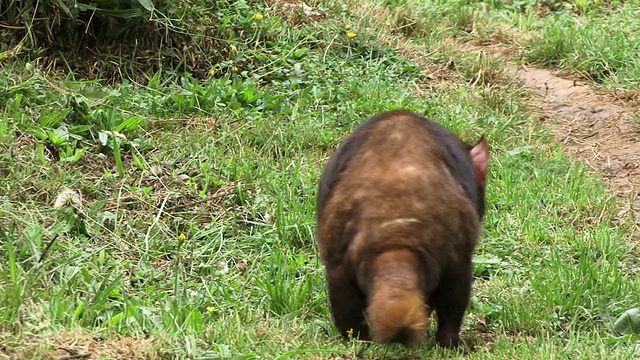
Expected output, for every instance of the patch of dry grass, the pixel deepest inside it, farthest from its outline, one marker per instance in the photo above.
(79, 343)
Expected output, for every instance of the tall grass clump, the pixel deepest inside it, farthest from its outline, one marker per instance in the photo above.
(118, 39)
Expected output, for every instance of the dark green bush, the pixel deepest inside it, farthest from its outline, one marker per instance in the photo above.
(112, 39)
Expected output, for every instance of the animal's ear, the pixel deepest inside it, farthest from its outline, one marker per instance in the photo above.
(480, 158)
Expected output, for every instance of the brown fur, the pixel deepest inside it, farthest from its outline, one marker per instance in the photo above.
(397, 310)
(399, 212)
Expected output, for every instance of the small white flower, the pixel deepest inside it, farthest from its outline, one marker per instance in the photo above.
(223, 268)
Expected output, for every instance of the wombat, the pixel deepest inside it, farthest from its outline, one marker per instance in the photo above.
(399, 209)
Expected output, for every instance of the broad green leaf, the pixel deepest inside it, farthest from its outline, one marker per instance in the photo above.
(55, 138)
(301, 52)
(520, 150)
(66, 10)
(628, 322)
(37, 132)
(132, 123)
(77, 155)
(147, 4)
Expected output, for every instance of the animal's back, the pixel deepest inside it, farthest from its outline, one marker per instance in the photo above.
(398, 212)
(399, 140)
(396, 170)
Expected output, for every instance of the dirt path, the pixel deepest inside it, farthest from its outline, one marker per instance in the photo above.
(595, 127)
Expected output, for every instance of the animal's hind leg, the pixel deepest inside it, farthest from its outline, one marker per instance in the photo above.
(450, 302)
(347, 304)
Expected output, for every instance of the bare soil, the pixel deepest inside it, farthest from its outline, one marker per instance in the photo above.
(595, 127)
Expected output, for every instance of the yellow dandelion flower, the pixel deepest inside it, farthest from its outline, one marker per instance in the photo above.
(234, 48)
(347, 27)
(388, 24)
(212, 72)
(235, 68)
(210, 309)
(351, 35)
(258, 17)
(182, 236)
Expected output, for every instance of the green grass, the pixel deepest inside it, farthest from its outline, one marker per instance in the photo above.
(601, 47)
(594, 40)
(197, 225)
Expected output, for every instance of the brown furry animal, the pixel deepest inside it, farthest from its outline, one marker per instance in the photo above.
(398, 216)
